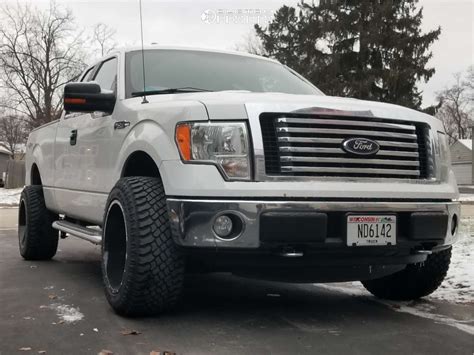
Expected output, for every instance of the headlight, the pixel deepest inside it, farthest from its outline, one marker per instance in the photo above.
(442, 156)
(444, 152)
(224, 144)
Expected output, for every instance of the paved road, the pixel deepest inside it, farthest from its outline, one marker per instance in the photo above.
(220, 314)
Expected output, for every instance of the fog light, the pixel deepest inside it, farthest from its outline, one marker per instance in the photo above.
(223, 226)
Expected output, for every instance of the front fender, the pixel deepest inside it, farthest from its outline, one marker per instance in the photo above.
(146, 136)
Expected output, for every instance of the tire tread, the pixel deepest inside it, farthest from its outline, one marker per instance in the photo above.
(413, 282)
(154, 274)
(41, 241)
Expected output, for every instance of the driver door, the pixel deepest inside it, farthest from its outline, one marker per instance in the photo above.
(86, 149)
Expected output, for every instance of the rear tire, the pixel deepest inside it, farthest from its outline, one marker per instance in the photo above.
(36, 236)
(413, 282)
(142, 268)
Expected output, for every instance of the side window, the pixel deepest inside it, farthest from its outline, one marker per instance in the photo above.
(106, 77)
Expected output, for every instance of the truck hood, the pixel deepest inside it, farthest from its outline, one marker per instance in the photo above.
(238, 105)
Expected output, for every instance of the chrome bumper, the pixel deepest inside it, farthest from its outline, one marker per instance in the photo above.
(192, 219)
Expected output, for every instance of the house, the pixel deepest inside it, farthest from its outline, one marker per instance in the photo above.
(4, 157)
(461, 158)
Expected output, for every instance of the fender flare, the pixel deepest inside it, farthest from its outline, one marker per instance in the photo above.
(36, 158)
(146, 136)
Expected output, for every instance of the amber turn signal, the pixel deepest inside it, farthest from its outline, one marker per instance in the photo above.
(70, 100)
(183, 138)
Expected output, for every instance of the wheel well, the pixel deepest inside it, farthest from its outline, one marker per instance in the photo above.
(35, 175)
(140, 164)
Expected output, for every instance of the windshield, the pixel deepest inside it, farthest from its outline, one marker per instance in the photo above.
(210, 71)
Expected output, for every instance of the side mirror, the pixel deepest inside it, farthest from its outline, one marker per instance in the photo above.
(87, 97)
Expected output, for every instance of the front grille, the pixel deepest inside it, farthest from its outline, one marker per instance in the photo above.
(311, 145)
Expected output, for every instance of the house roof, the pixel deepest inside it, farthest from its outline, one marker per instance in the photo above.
(4, 150)
(466, 142)
(19, 148)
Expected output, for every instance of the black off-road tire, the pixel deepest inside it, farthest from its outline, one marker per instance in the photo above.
(142, 268)
(36, 237)
(413, 282)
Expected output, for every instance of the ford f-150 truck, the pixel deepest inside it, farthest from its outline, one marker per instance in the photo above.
(182, 160)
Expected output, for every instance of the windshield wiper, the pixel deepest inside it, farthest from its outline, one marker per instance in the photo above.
(169, 91)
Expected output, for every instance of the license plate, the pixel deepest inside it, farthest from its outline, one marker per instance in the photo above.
(363, 230)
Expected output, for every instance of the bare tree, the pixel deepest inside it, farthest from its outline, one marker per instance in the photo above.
(13, 132)
(104, 37)
(251, 44)
(469, 83)
(457, 109)
(40, 51)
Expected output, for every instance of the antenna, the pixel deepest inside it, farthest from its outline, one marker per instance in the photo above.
(145, 101)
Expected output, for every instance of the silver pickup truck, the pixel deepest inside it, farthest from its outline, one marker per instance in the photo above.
(189, 160)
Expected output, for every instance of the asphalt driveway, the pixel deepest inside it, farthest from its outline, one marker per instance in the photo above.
(59, 307)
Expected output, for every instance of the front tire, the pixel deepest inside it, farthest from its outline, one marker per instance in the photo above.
(142, 268)
(36, 237)
(413, 282)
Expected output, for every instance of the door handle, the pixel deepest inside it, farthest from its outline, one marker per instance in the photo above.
(73, 137)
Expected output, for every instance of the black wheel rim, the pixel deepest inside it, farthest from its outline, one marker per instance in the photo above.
(115, 246)
(22, 223)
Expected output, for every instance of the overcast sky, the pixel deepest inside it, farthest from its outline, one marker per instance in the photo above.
(202, 23)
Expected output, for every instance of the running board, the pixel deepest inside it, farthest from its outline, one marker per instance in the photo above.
(91, 235)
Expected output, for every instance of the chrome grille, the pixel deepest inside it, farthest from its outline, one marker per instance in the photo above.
(311, 145)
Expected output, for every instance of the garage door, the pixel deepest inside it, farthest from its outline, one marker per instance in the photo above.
(463, 173)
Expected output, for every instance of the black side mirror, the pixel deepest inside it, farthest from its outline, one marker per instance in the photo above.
(87, 97)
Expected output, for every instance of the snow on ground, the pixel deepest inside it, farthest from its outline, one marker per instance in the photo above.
(10, 197)
(466, 198)
(458, 286)
(66, 313)
(418, 308)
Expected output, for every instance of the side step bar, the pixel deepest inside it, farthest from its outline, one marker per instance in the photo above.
(91, 235)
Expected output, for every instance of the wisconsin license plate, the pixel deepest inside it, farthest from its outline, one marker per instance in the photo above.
(363, 230)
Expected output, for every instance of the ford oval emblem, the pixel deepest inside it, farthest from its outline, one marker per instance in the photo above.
(360, 146)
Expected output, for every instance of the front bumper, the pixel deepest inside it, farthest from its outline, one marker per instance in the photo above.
(313, 225)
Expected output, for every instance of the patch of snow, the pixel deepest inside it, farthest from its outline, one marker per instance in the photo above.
(466, 142)
(466, 197)
(420, 310)
(353, 288)
(10, 197)
(66, 313)
(415, 308)
(458, 286)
